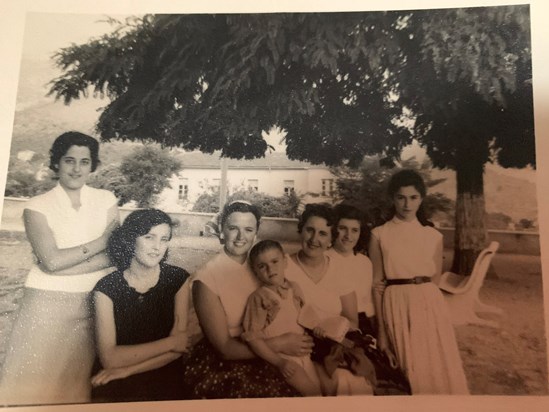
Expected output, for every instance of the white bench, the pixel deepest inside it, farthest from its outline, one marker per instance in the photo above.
(462, 292)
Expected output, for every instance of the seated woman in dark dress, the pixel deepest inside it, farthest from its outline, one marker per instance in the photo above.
(141, 314)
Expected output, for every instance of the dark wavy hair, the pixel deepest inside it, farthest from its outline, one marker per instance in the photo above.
(322, 210)
(344, 211)
(261, 247)
(121, 245)
(64, 142)
(239, 206)
(407, 177)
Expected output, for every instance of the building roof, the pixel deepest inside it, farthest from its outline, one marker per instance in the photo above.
(274, 160)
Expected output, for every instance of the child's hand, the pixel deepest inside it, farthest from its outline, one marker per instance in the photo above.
(288, 368)
(319, 332)
(105, 376)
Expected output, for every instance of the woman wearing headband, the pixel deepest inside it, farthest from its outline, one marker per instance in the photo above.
(221, 365)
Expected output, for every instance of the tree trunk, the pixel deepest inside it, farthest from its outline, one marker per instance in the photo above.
(470, 235)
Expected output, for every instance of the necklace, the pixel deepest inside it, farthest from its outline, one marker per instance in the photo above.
(315, 275)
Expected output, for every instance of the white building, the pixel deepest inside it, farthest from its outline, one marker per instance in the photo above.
(273, 174)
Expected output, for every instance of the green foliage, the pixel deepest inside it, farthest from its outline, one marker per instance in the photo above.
(24, 184)
(146, 172)
(22, 178)
(467, 80)
(216, 82)
(111, 178)
(271, 206)
(207, 202)
(339, 84)
(366, 188)
(526, 224)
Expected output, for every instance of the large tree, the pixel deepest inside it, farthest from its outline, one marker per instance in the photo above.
(141, 176)
(342, 85)
(467, 78)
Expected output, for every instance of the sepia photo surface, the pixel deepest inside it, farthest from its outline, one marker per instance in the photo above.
(503, 350)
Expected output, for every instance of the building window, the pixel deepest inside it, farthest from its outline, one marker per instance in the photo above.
(253, 184)
(327, 187)
(183, 190)
(289, 187)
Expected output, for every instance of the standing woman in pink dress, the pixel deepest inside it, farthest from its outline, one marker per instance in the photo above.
(414, 326)
(50, 355)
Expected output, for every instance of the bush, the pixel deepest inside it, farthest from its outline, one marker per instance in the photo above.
(271, 206)
(525, 224)
(498, 221)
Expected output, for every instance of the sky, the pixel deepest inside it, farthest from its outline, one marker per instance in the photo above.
(47, 32)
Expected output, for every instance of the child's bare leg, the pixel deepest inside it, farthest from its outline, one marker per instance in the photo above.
(327, 384)
(304, 384)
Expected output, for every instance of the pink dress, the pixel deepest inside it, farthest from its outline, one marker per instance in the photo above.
(416, 317)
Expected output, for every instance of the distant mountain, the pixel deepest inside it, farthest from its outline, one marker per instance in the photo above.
(40, 119)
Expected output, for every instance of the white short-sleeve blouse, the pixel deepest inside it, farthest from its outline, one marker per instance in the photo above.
(70, 228)
(358, 268)
(233, 283)
(409, 249)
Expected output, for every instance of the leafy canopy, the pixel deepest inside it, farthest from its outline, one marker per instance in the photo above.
(342, 85)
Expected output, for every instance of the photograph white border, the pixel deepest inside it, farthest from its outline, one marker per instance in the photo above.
(12, 21)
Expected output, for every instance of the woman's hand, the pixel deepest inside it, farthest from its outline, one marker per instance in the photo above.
(379, 287)
(180, 341)
(287, 368)
(383, 346)
(296, 344)
(105, 376)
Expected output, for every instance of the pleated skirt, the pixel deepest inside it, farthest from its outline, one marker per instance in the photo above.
(421, 332)
(50, 355)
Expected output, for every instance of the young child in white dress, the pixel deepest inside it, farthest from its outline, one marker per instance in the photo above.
(273, 310)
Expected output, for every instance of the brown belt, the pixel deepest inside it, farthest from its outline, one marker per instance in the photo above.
(413, 281)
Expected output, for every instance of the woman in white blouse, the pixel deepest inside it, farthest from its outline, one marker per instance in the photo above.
(50, 354)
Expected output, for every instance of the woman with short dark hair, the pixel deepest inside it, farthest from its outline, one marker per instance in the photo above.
(50, 354)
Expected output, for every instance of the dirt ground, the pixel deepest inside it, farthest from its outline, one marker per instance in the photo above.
(509, 360)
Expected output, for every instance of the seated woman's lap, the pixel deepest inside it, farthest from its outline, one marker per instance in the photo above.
(207, 376)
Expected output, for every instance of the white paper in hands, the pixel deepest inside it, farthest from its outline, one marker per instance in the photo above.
(335, 327)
